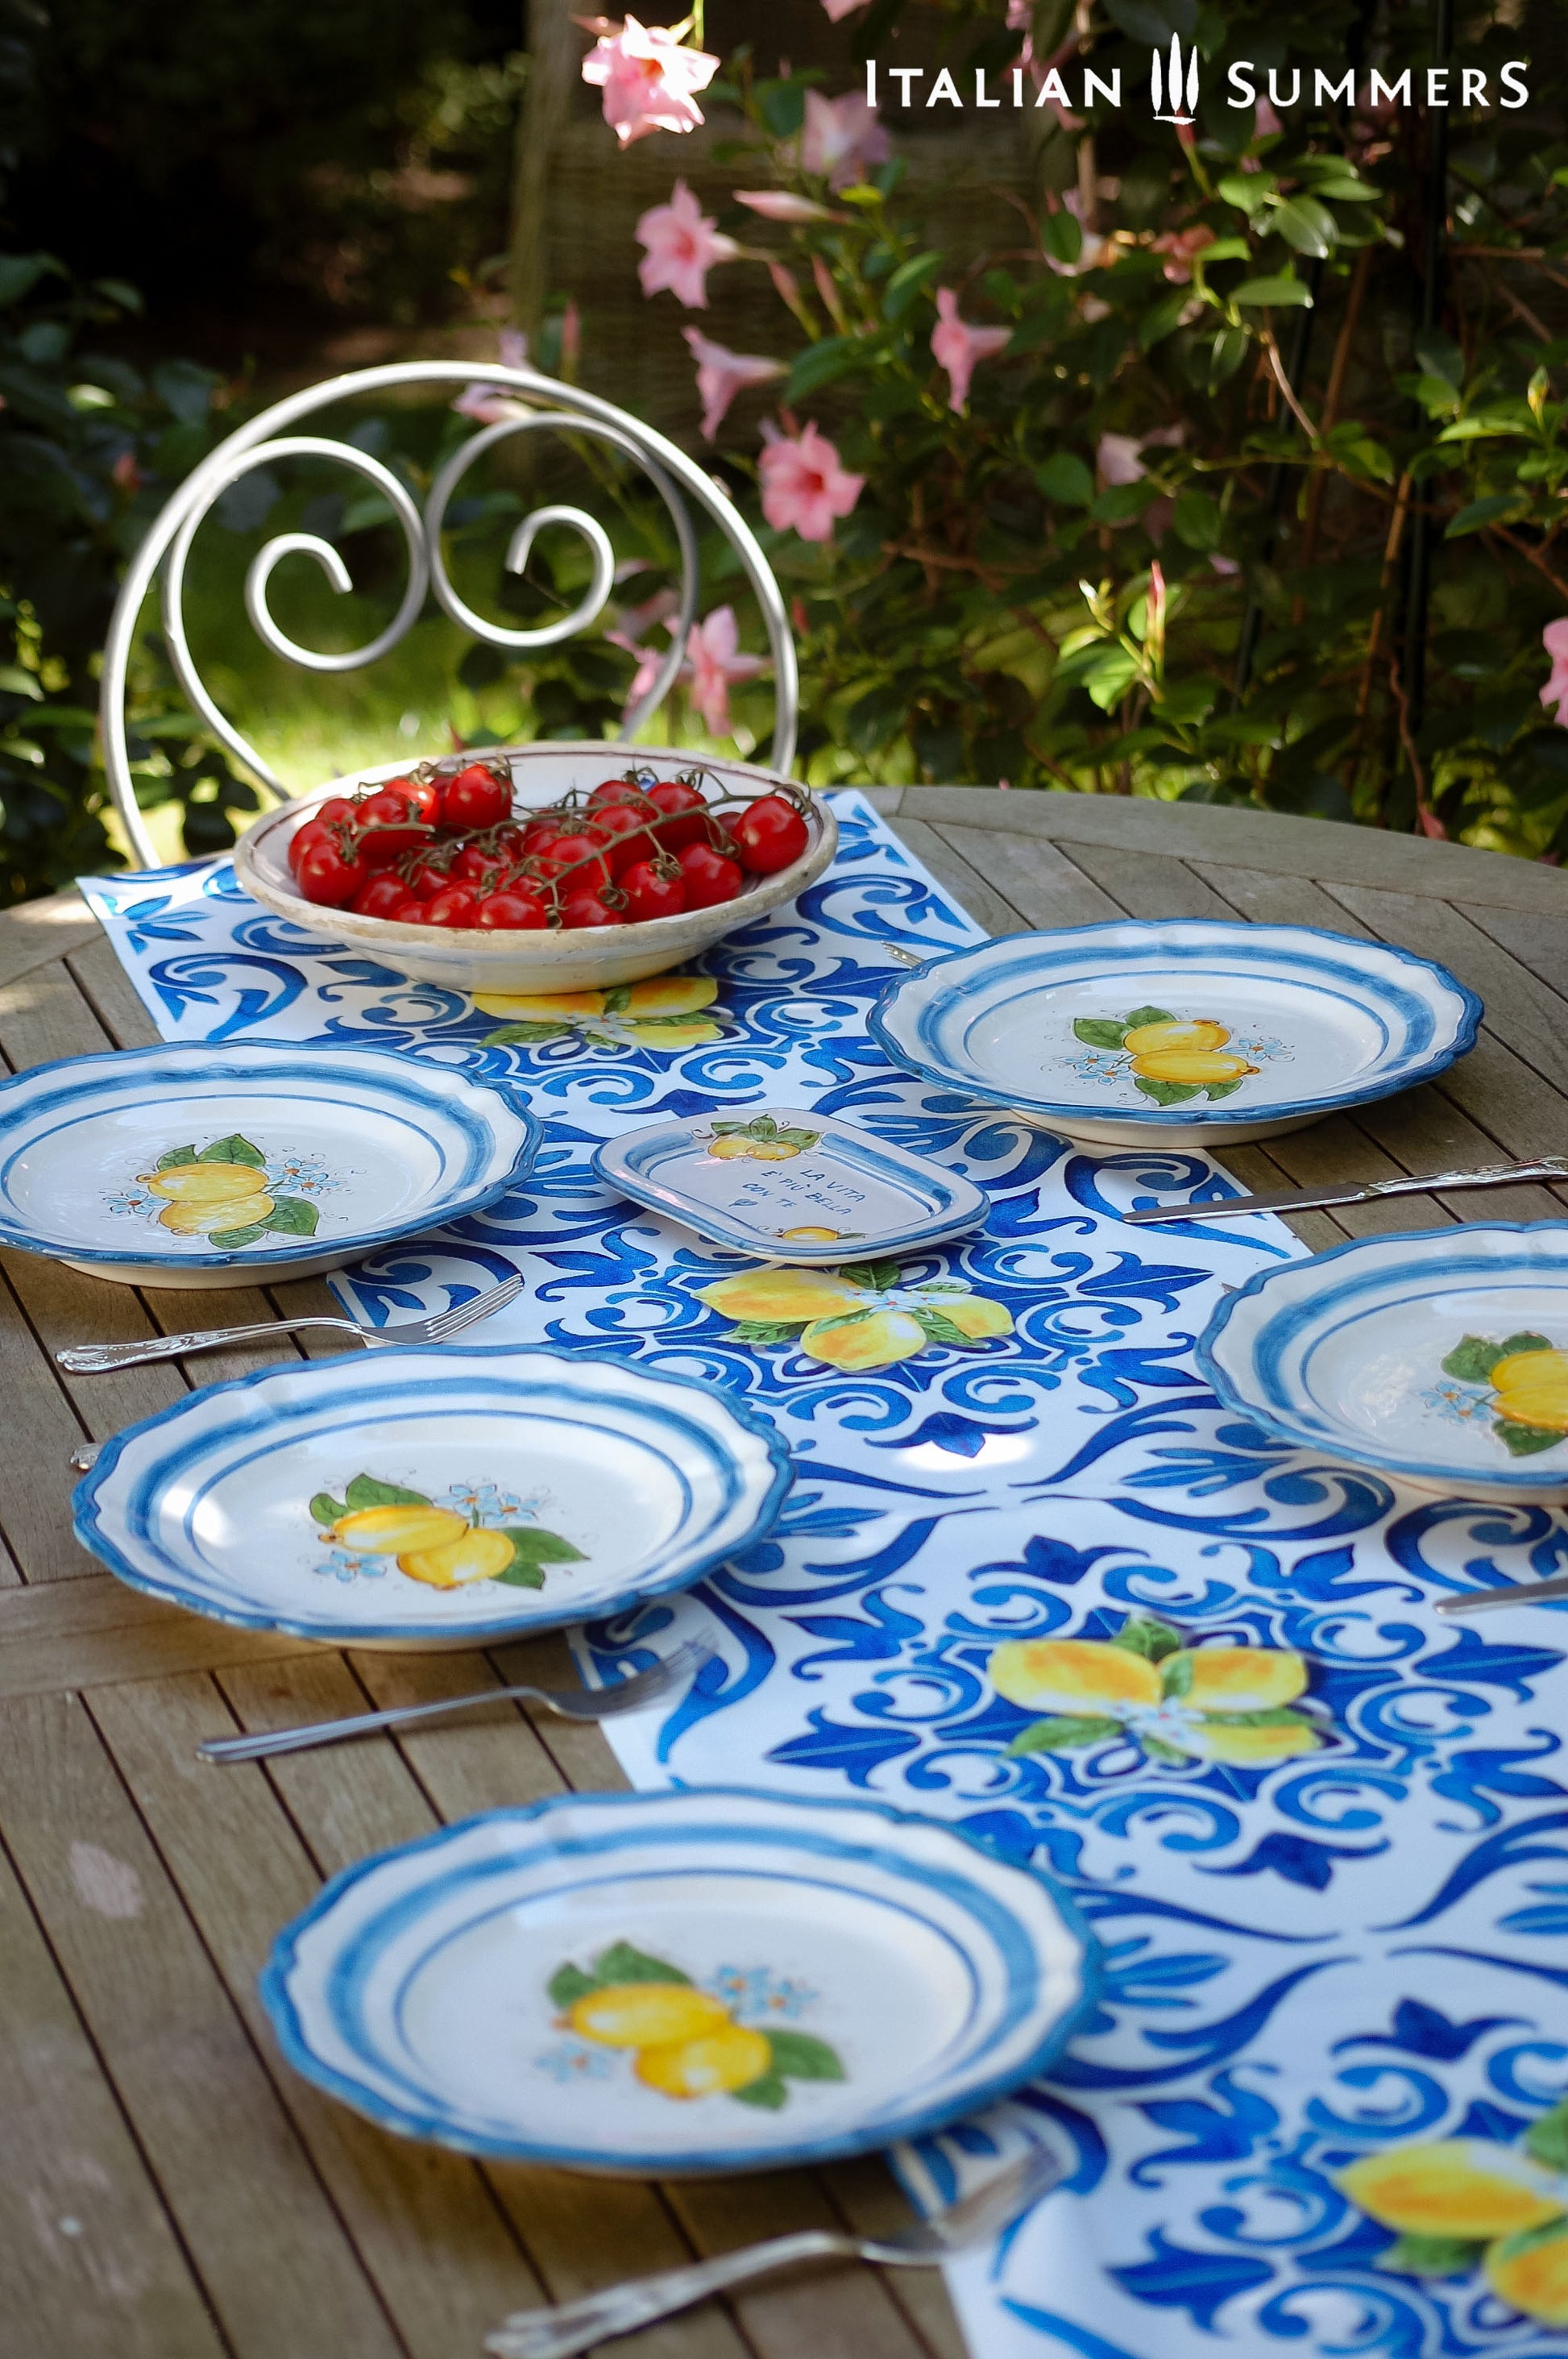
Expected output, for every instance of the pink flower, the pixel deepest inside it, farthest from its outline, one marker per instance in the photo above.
(648, 79)
(1266, 123)
(780, 205)
(1224, 566)
(1178, 246)
(1554, 639)
(1117, 458)
(681, 246)
(837, 10)
(722, 374)
(490, 403)
(711, 663)
(956, 346)
(804, 484)
(842, 138)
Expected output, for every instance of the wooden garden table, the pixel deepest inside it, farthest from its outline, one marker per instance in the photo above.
(169, 2189)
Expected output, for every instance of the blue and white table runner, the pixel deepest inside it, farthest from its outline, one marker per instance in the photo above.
(1332, 1901)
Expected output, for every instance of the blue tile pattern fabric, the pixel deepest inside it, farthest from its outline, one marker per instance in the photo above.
(1330, 1879)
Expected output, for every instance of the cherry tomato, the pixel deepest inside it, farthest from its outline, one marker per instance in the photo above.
(325, 876)
(512, 909)
(681, 809)
(623, 834)
(301, 839)
(475, 798)
(390, 826)
(458, 906)
(423, 793)
(543, 832)
(429, 875)
(769, 834)
(650, 894)
(587, 910)
(336, 810)
(709, 877)
(475, 863)
(565, 852)
(615, 791)
(382, 897)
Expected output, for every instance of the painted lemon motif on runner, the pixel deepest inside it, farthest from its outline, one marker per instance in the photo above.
(666, 1012)
(1522, 1383)
(685, 2041)
(1470, 2204)
(1167, 1058)
(1229, 1704)
(442, 1546)
(856, 1317)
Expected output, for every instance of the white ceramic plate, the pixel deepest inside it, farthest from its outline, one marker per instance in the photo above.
(1440, 1358)
(470, 959)
(1190, 1031)
(588, 1982)
(198, 1166)
(786, 1185)
(439, 1497)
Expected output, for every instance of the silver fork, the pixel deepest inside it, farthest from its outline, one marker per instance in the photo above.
(620, 2309)
(92, 1359)
(1520, 1592)
(572, 1703)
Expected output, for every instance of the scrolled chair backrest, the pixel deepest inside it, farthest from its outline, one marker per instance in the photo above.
(543, 407)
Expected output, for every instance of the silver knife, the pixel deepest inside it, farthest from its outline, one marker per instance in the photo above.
(1302, 1199)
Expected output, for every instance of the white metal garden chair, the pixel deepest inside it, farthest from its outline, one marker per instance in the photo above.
(546, 406)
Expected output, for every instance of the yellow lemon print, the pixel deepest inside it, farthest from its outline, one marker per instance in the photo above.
(1244, 1678)
(720, 2061)
(205, 1183)
(730, 1150)
(1533, 1390)
(1172, 1034)
(874, 1343)
(670, 995)
(648, 2015)
(554, 1007)
(199, 1218)
(1072, 1675)
(811, 1236)
(399, 1530)
(1461, 2187)
(1192, 1068)
(1248, 1748)
(478, 1555)
(1531, 2273)
(783, 1295)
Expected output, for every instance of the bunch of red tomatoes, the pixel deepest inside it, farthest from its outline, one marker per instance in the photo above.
(433, 851)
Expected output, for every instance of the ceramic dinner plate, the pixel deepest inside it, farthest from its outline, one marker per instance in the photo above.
(200, 1166)
(439, 1497)
(1191, 1031)
(696, 1981)
(791, 1186)
(1440, 1358)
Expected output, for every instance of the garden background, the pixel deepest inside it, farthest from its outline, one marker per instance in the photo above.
(1093, 456)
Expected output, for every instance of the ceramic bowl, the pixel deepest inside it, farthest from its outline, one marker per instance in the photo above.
(471, 958)
(443, 1496)
(1440, 1358)
(194, 1165)
(687, 1982)
(1189, 1032)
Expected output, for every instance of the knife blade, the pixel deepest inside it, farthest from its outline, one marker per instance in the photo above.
(1302, 1200)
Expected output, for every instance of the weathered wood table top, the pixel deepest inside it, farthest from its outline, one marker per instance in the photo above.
(169, 2189)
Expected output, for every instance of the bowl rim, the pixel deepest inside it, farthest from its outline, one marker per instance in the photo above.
(646, 933)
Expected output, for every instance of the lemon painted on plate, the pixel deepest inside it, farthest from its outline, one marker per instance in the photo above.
(479, 1555)
(647, 2014)
(400, 1531)
(1198, 1034)
(717, 2062)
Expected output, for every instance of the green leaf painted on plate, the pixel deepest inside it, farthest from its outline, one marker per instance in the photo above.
(621, 1962)
(517, 1575)
(233, 1149)
(231, 1240)
(366, 1491)
(569, 1983)
(1226, 1088)
(1524, 1441)
(293, 1216)
(799, 2056)
(1142, 1015)
(1167, 1093)
(770, 2093)
(531, 1547)
(1098, 1031)
(325, 1509)
(176, 1155)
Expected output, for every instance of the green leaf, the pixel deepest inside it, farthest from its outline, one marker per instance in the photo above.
(770, 2093)
(233, 1149)
(877, 1276)
(942, 1329)
(176, 1155)
(1158, 1750)
(531, 1547)
(1098, 1031)
(1197, 520)
(1061, 1734)
(618, 999)
(799, 2056)
(524, 1036)
(1480, 513)
(1142, 1015)
(1225, 1089)
(1167, 1093)
(1177, 1678)
(1062, 236)
(1273, 1716)
(19, 274)
(907, 282)
(1224, 249)
(231, 1240)
(293, 1216)
(1064, 477)
(1433, 2257)
(364, 1491)
(1524, 1441)
(1546, 2141)
(567, 1985)
(800, 1138)
(623, 1964)
(1510, 2248)
(1146, 1635)
(325, 1509)
(818, 365)
(768, 1331)
(1280, 288)
(1473, 1359)
(17, 683)
(521, 1576)
(761, 1125)
(1307, 226)
(1162, 319)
